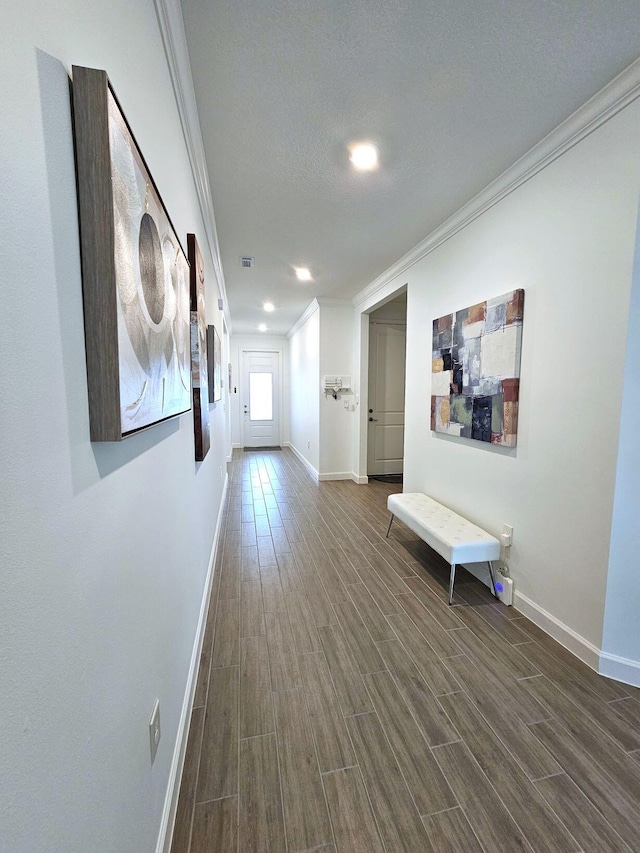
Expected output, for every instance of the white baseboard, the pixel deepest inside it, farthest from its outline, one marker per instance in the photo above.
(567, 637)
(360, 479)
(305, 462)
(177, 764)
(336, 475)
(236, 446)
(622, 669)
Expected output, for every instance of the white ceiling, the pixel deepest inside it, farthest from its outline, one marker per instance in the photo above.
(452, 93)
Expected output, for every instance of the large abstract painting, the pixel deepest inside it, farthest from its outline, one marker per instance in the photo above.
(199, 364)
(475, 367)
(134, 270)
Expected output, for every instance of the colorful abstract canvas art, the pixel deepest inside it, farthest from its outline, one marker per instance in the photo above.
(475, 368)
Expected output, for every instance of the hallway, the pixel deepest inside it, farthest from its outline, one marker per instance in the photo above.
(341, 705)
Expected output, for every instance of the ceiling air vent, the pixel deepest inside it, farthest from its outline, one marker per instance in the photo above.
(246, 263)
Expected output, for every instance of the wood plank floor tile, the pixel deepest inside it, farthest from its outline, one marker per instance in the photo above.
(353, 822)
(491, 821)
(428, 786)
(187, 795)
(433, 722)
(290, 576)
(256, 703)
(501, 716)
(358, 639)
(272, 594)
(607, 787)
(450, 832)
(280, 541)
(442, 642)
(321, 608)
(434, 671)
(215, 826)
(350, 689)
(303, 627)
(370, 613)
(266, 554)
(330, 732)
(519, 665)
(261, 819)
(305, 811)
(589, 827)
(202, 682)
(230, 577)
(627, 709)
(251, 610)
(553, 659)
(218, 772)
(392, 581)
(250, 569)
(489, 675)
(248, 533)
(531, 812)
(444, 615)
(576, 712)
(262, 526)
(379, 591)
(282, 657)
(395, 811)
(501, 623)
(226, 640)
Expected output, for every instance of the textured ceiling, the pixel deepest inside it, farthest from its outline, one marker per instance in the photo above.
(452, 93)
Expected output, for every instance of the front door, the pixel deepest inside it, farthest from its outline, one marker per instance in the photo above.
(260, 399)
(387, 356)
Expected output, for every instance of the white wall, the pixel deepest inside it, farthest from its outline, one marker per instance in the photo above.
(103, 548)
(336, 357)
(567, 237)
(271, 343)
(621, 626)
(304, 377)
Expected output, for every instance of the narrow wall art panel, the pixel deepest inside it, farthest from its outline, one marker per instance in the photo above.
(475, 368)
(135, 276)
(215, 365)
(199, 361)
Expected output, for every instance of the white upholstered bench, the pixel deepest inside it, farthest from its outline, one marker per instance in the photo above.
(453, 537)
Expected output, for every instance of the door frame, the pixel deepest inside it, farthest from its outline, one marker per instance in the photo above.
(273, 350)
(362, 433)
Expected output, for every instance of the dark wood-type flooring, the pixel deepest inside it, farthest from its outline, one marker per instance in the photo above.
(341, 704)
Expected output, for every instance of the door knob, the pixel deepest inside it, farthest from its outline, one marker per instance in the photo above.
(373, 419)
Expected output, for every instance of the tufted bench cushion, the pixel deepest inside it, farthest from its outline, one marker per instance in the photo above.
(453, 537)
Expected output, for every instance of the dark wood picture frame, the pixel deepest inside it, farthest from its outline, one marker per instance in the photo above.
(199, 360)
(135, 275)
(215, 364)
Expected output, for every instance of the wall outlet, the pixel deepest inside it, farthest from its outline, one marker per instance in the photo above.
(154, 730)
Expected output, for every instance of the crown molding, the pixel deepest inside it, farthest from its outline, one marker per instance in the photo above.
(332, 302)
(614, 97)
(174, 40)
(311, 308)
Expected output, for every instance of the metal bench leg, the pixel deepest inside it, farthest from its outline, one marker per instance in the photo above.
(451, 582)
(493, 580)
(389, 527)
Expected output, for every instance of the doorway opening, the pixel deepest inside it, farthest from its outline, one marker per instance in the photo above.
(386, 390)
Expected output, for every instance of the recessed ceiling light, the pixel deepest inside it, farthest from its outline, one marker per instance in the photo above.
(364, 156)
(262, 327)
(269, 306)
(303, 273)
